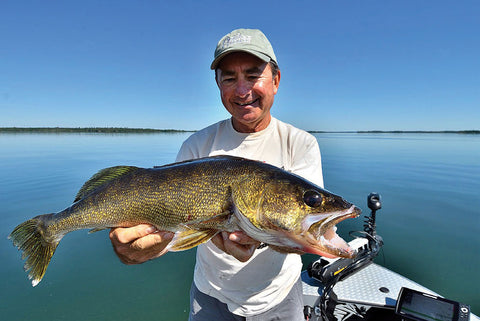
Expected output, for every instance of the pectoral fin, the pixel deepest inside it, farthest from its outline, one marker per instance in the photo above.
(190, 238)
(205, 223)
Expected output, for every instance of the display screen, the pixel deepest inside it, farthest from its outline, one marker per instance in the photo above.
(424, 307)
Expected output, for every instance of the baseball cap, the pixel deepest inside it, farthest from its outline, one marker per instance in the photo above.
(252, 41)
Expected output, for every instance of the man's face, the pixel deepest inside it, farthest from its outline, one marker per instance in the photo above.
(247, 89)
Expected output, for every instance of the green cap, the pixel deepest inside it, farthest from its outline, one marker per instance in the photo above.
(252, 41)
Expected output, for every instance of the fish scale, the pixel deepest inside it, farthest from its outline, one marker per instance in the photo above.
(196, 200)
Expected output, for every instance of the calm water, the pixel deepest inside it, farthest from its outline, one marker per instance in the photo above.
(430, 222)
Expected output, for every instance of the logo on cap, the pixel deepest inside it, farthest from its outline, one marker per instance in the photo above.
(235, 39)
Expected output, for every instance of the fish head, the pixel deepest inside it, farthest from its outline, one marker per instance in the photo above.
(294, 215)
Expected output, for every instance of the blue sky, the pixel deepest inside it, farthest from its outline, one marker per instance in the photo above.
(346, 65)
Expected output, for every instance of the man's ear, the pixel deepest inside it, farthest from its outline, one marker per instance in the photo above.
(216, 77)
(276, 81)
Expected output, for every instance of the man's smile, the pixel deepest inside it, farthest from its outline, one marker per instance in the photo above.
(249, 103)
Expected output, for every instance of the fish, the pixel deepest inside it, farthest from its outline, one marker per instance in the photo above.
(196, 199)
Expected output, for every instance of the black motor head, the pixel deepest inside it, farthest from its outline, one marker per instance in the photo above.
(374, 202)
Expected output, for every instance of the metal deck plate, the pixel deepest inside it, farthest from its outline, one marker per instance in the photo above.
(375, 285)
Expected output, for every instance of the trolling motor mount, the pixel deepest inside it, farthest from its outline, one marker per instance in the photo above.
(330, 272)
(370, 228)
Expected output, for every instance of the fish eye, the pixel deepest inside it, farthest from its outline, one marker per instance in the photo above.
(312, 198)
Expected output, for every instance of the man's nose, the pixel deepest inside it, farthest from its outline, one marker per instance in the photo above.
(243, 88)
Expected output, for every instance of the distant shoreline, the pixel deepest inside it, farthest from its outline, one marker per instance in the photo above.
(470, 132)
(120, 130)
(106, 130)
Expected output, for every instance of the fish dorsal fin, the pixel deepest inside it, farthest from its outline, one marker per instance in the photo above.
(102, 177)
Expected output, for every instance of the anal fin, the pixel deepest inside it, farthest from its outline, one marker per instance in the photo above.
(97, 229)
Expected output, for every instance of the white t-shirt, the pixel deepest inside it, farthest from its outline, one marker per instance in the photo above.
(265, 280)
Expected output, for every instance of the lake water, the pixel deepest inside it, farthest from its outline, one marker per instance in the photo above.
(430, 222)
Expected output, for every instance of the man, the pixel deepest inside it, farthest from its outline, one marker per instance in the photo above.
(235, 278)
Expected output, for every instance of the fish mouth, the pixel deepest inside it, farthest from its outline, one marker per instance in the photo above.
(321, 237)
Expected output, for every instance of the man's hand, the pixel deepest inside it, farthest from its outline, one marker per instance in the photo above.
(238, 244)
(138, 244)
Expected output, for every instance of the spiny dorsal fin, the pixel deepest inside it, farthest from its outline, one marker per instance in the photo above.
(102, 177)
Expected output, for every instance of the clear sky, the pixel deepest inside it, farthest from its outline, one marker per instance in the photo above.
(346, 65)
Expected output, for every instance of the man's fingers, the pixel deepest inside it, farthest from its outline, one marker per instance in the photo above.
(242, 238)
(138, 244)
(143, 242)
(125, 235)
(241, 250)
(152, 240)
(218, 241)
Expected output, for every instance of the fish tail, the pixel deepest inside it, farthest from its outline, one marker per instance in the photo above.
(29, 237)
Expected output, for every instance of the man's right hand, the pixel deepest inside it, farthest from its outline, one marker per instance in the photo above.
(140, 243)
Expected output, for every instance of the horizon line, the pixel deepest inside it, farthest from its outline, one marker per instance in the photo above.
(153, 130)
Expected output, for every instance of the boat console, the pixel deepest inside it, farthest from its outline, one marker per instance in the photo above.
(359, 289)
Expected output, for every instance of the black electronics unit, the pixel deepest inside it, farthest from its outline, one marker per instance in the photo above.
(415, 305)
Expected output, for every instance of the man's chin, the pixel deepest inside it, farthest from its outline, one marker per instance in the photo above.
(249, 124)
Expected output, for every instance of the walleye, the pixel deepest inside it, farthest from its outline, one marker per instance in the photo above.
(196, 199)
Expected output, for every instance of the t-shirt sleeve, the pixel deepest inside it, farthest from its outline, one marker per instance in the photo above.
(306, 159)
(185, 152)
(198, 144)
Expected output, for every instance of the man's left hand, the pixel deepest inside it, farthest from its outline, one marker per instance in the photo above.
(238, 244)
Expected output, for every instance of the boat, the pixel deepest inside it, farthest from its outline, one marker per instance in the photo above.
(345, 289)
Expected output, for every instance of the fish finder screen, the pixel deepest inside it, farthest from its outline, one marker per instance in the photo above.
(424, 307)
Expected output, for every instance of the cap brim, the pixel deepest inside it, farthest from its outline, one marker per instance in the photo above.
(257, 54)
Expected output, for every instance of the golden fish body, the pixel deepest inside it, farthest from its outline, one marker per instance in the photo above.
(196, 200)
